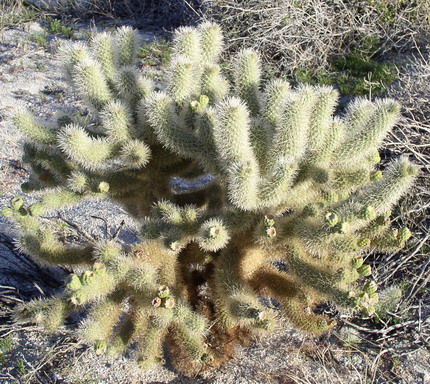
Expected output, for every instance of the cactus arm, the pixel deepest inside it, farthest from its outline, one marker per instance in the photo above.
(45, 247)
(54, 200)
(103, 48)
(99, 325)
(91, 83)
(277, 93)
(35, 131)
(126, 43)
(150, 347)
(211, 41)
(296, 313)
(247, 73)
(116, 119)
(213, 84)
(183, 82)
(90, 153)
(358, 145)
(50, 313)
(186, 43)
(167, 126)
(321, 117)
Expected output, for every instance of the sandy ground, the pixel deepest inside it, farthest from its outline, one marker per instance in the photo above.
(30, 75)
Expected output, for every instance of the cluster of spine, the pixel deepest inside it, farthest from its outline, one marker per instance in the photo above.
(293, 185)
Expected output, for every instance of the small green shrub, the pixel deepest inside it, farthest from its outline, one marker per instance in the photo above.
(20, 367)
(39, 38)
(55, 26)
(5, 347)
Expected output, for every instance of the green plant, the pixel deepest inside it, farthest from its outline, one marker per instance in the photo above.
(20, 367)
(362, 75)
(349, 337)
(55, 26)
(357, 73)
(5, 347)
(39, 39)
(294, 200)
(389, 299)
(68, 31)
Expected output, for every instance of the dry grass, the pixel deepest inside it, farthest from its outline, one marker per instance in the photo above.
(15, 12)
(308, 33)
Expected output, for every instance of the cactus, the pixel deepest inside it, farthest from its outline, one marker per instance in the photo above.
(291, 183)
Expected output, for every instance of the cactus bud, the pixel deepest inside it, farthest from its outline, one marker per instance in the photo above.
(357, 263)
(169, 303)
(271, 232)
(203, 101)
(36, 209)
(175, 246)
(331, 219)
(364, 270)
(330, 197)
(269, 220)
(376, 176)
(342, 227)
(371, 310)
(99, 269)
(195, 105)
(78, 298)
(342, 195)
(363, 242)
(404, 234)
(262, 316)
(383, 219)
(374, 158)
(370, 287)
(86, 277)
(6, 212)
(73, 282)
(368, 213)
(100, 347)
(213, 235)
(156, 302)
(103, 187)
(16, 203)
(163, 291)
(214, 232)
